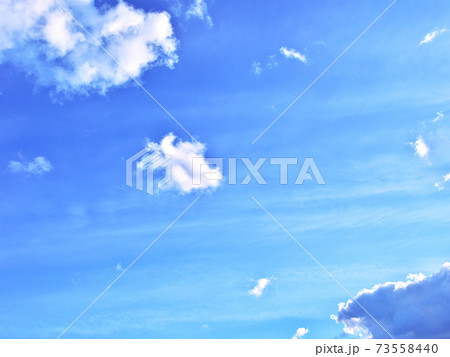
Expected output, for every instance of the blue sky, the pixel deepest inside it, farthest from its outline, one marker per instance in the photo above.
(69, 224)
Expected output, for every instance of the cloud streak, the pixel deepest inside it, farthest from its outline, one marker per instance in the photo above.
(291, 53)
(431, 36)
(199, 9)
(36, 167)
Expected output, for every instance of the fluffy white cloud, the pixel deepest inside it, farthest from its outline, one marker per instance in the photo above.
(431, 36)
(291, 53)
(421, 148)
(415, 308)
(182, 155)
(199, 9)
(258, 290)
(300, 333)
(256, 68)
(447, 177)
(37, 166)
(39, 37)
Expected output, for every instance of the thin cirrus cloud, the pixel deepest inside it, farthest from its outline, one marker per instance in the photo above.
(291, 53)
(37, 166)
(199, 9)
(260, 286)
(181, 155)
(256, 68)
(415, 308)
(431, 36)
(439, 116)
(300, 333)
(440, 185)
(40, 38)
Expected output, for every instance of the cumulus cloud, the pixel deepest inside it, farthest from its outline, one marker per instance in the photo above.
(199, 9)
(439, 116)
(421, 148)
(256, 68)
(291, 53)
(259, 288)
(186, 160)
(36, 167)
(40, 38)
(431, 36)
(415, 308)
(300, 333)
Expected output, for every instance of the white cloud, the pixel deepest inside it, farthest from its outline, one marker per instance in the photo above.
(119, 267)
(300, 333)
(431, 36)
(256, 68)
(439, 186)
(291, 53)
(37, 167)
(39, 37)
(258, 290)
(182, 154)
(272, 62)
(199, 9)
(439, 116)
(421, 148)
(415, 308)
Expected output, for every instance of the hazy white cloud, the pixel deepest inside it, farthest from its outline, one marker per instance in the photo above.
(440, 184)
(439, 116)
(119, 267)
(421, 148)
(258, 290)
(39, 37)
(300, 333)
(256, 68)
(37, 166)
(291, 53)
(415, 308)
(181, 155)
(199, 9)
(431, 36)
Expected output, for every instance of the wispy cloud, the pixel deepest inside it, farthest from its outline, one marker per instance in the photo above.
(259, 288)
(199, 9)
(36, 167)
(291, 53)
(39, 37)
(440, 185)
(431, 36)
(256, 68)
(300, 333)
(440, 115)
(421, 148)
(415, 308)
